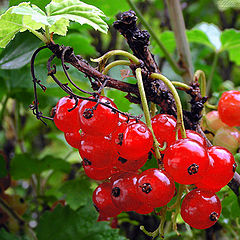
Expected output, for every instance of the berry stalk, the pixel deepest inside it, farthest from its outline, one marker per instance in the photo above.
(146, 111)
(114, 64)
(103, 59)
(177, 100)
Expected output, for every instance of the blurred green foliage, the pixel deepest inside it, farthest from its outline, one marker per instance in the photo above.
(45, 169)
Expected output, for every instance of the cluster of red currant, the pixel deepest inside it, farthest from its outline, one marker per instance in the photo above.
(114, 147)
(221, 124)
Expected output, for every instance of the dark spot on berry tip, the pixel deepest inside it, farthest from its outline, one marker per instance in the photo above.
(21, 200)
(146, 188)
(86, 162)
(119, 140)
(234, 167)
(122, 160)
(213, 216)
(88, 113)
(97, 209)
(116, 192)
(193, 169)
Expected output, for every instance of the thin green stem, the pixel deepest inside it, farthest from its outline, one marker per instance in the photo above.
(146, 111)
(41, 36)
(167, 55)
(199, 75)
(114, 64)
(160, 230)
(210, 106)
(213, 68)
(181, 85)
(103, 59)
(153, 109)
(4, 104)
(177, 100)
(47, 33)
(177, 207)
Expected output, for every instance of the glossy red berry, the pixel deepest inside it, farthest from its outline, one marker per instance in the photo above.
(164, 127)
(132, 140)
(144, 209)
(186, 161)
(66, 116)
(129, 164)
(229, 108)
(124, 192)
(197, 137)
(97, 150)
(221, 169)
(155, 188)
(98, 173)
(73, 138)
(97, 119)
(103, 201)
(201, 209)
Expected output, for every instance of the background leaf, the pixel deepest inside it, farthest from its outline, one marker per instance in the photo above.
(213, 33)
(19, 51)
(77, 192)
(64, 223)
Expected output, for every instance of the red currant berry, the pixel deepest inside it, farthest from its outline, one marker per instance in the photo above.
(201, 209)
(221, 169)
(66, 116)
(124, 192)
(186, 161)
(133, 140)
(129, 165)
(96, 149)
(97, 173)
(197, 137)
(155, 187)
(229, 108)
(73, 138)
(103, 201)
(97, 119)
(144, 209)
(164, 127)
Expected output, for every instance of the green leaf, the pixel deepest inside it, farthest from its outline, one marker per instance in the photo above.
(213, 33)
(4, 235)
(11, 23)
(77, 192)
(79, 42)
(24, 165)
(50, 162)
(168, 40)
(64, 223)
(3, 167)
(60, 27)
(230, 40)
(77, 11)
(35, 12)
(198, 36)
(19, 51)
